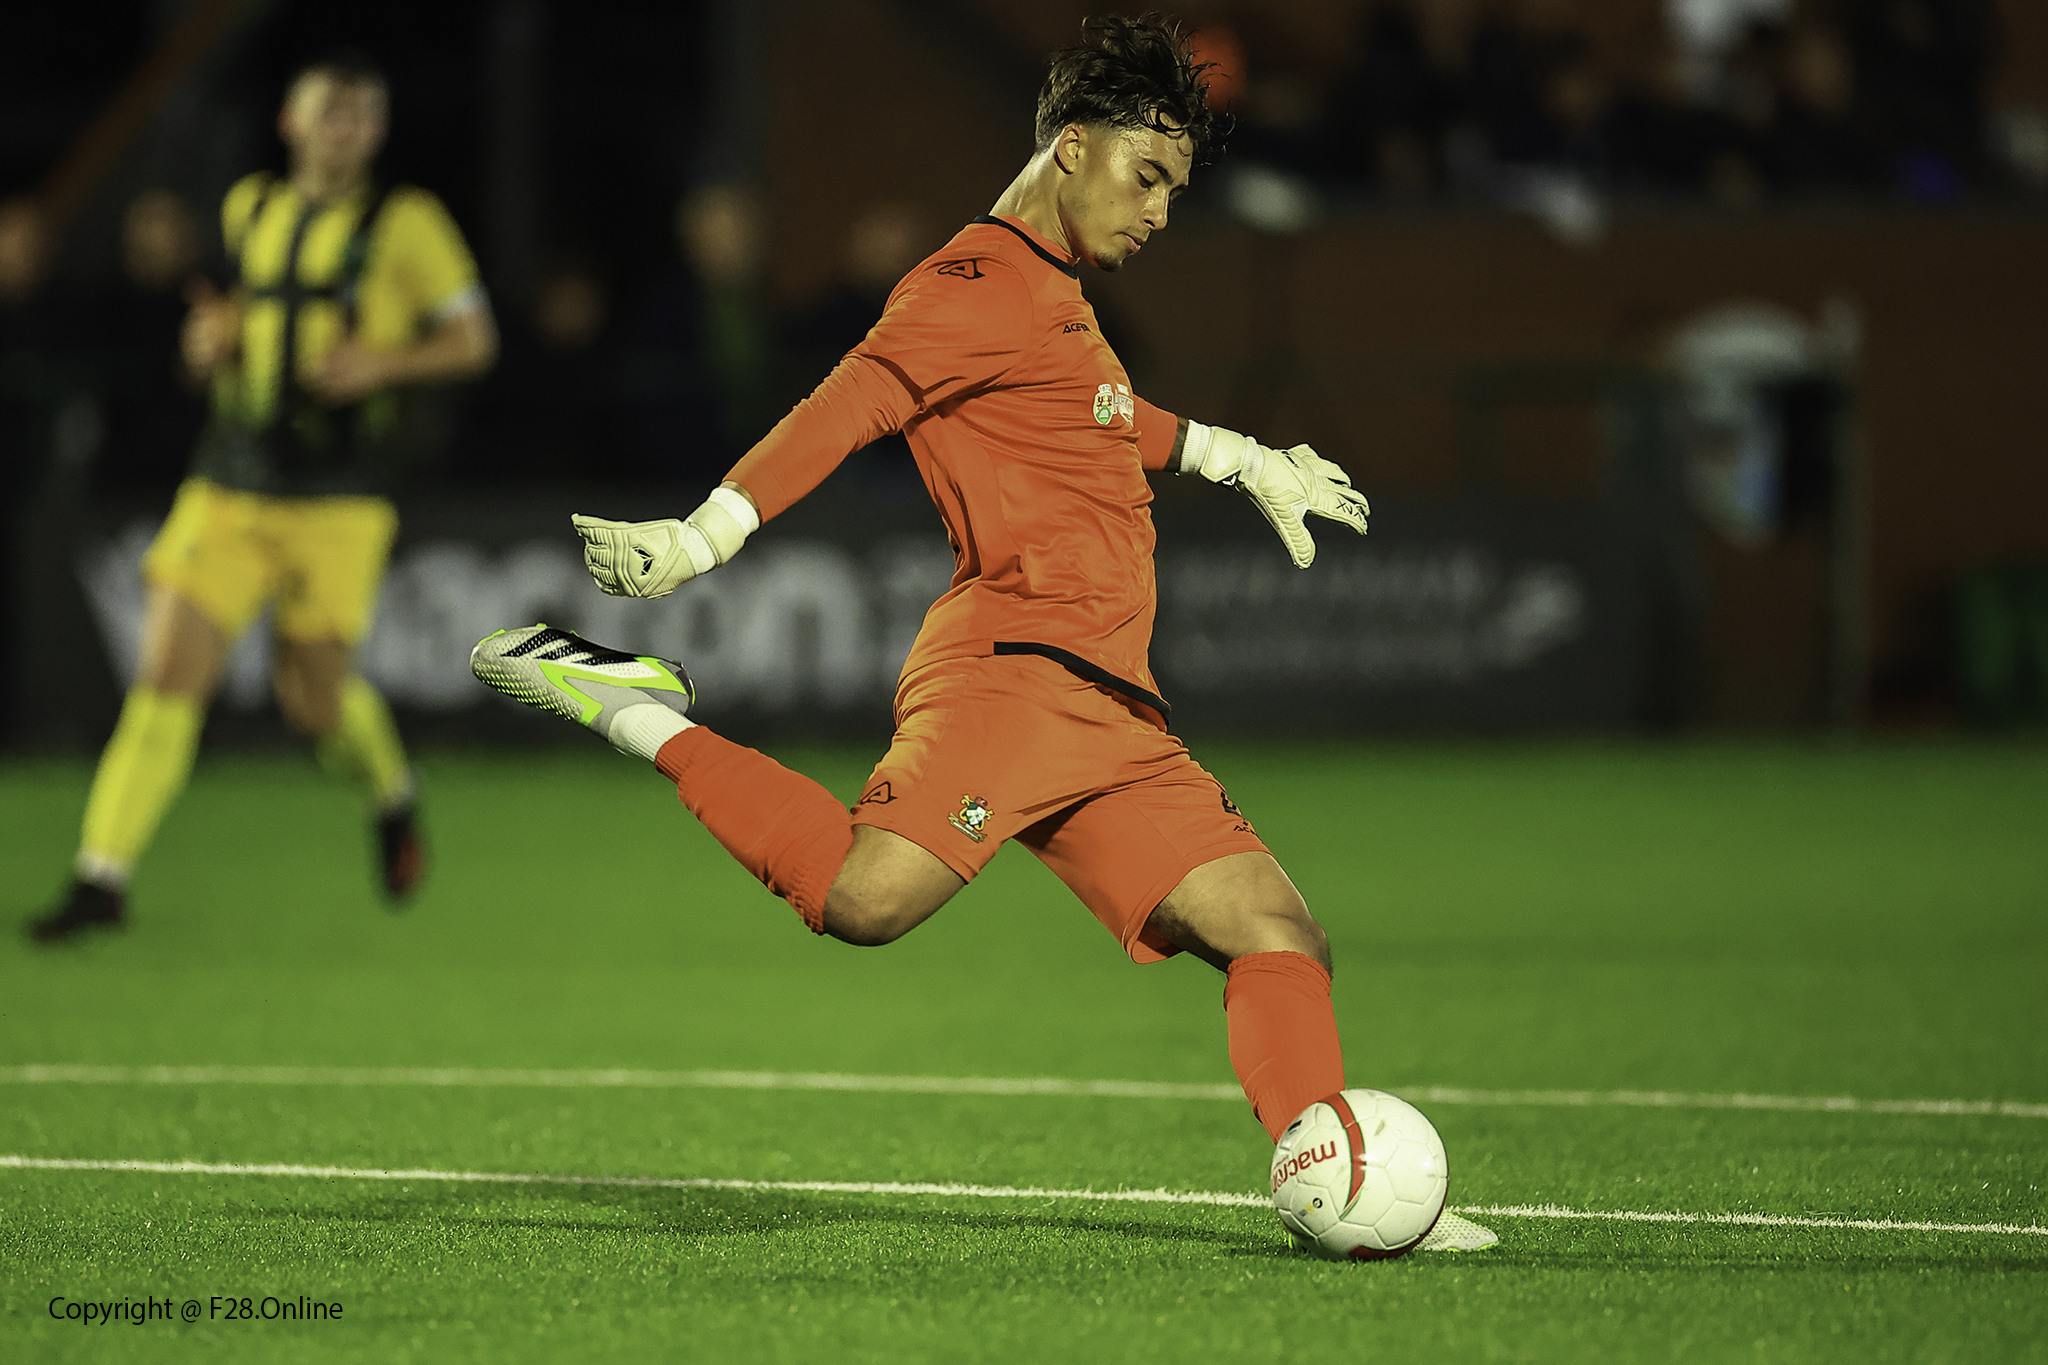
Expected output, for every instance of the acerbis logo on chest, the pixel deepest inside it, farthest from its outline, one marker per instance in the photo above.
(1113, 401)
(1072, 328)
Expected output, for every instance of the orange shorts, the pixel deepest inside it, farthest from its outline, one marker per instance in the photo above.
(1016, 747)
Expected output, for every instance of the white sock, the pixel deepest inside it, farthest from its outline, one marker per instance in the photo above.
(109, 874)
(641, 730)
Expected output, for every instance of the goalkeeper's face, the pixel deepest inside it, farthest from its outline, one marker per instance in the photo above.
(1120, 182)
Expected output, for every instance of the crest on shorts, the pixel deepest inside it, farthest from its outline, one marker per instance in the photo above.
(972, 818)
(1112, 400)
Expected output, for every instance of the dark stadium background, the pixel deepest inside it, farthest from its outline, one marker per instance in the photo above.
(1462, 248)
(1666, 767)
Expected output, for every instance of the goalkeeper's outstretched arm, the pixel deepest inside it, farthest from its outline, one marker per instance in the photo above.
(855, 405)
(1287, 486)
(936, 342)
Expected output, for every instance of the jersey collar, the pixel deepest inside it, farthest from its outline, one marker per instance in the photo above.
(1045, 249)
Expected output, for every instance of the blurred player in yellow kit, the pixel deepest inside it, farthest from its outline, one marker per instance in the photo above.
(346, 294)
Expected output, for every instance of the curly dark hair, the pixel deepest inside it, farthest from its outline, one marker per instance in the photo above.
(344, 66)
(1131, 73)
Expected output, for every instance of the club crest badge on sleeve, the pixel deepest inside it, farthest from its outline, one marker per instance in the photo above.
(1112, 401)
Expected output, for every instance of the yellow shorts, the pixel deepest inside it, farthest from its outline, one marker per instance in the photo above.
(319, 559)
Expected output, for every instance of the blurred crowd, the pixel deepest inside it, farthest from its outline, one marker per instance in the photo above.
(1731, 101)
(672, 382)
(668, 382)
(663, 362)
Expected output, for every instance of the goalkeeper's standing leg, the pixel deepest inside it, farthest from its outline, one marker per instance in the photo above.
(144, 766)
(1242, 914)
(324, 698)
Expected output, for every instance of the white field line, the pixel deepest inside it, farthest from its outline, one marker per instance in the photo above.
(1748, 1220)
(960, 1085)
(1677, 1099)
(30, 1163)
(1224, 1198)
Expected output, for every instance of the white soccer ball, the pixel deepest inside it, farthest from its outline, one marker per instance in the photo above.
(1360, 1176)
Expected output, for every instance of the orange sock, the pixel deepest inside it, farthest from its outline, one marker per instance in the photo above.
(781, 826)
(1283, 1035)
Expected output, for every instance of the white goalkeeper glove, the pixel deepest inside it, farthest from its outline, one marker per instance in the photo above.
(654, 558)
(1285, 485)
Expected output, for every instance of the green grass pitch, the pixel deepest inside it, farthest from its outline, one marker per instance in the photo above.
(1714, 919)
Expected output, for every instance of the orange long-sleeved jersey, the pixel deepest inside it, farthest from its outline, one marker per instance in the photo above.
(991, 364)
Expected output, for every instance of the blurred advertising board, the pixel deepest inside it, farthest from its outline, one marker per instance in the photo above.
(1487, 615)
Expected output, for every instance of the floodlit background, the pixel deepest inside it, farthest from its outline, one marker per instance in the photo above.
(1693, 354)
(1691, 350)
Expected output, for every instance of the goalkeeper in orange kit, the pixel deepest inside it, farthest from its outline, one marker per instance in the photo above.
(1027, 708)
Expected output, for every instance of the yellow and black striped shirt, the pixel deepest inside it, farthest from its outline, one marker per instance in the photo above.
(386, 267)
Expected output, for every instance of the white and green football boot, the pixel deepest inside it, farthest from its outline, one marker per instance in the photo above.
(561, 672)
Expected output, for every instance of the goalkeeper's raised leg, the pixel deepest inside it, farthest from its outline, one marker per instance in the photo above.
(781, 826)
(636, 701)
